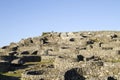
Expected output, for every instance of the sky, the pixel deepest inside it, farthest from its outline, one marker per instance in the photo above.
(20, 19)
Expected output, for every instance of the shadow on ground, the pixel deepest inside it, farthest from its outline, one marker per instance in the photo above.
(3, 77)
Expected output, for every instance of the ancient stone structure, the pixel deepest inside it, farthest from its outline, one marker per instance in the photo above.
(67, 56)
(4, 66)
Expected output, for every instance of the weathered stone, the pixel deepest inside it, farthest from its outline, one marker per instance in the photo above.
(111, 78)
(4, 47)
(25, 53)
(80, 58)
(118, 52)
(94, 58)
(44, 40)
(114, 36)
(90, 42)
(72, 39)
(26, 42)
(13, 53)
(34, 52)
(19, 61)
(74, 74)
(14, 48)
(66, 56)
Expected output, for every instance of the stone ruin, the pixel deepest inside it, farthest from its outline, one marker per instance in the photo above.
(68, 56)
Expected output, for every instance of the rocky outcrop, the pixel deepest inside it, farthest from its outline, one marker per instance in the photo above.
(67, 56)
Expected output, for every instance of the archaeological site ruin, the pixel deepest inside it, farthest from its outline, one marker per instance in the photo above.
(85, 55)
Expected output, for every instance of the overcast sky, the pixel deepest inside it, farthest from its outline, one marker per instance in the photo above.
(27, 18)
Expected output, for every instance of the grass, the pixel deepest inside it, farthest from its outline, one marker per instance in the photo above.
(17, 73)
(113, 60)
(14, 74)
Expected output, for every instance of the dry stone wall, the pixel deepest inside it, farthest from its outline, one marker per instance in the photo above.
(89, 55)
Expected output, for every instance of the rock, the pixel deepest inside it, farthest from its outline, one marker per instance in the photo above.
(80, 58)
(25, 53)
(44, 40)
(19, 61)
(83, 55)
(13, 53)
(14, 48)
(90, 42)
(114, 36)
(4, 47)
(94, 58)
(72, 39)
(74, 74)
(34, 52)
(111, 78)
(26, 42)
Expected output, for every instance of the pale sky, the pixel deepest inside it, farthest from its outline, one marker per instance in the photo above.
(28, 18)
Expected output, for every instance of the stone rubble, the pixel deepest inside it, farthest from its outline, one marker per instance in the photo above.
(73, 56)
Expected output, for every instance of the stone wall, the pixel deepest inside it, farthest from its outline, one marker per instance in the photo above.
(96, 53)
(47, 74)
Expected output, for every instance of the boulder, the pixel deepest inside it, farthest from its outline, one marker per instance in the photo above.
(25, 53)
(19, 61)
(13, 53)
(34, 52)
(74, 74)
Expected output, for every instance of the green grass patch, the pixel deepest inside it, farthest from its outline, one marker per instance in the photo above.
(16, 73)
(113, 60)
